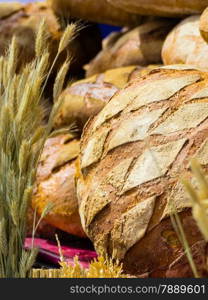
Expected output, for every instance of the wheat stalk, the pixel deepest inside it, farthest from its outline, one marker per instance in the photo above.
(22, 137)
(199, 198)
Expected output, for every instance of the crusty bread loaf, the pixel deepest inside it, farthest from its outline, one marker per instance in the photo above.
(184, 45)
(140, 46)
(133, 154)
(55, 184)
(203, 26)
(163, 8)
(95, 11)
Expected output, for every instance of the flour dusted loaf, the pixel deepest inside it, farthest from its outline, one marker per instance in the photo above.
(164, 8)
(184, 45)
(55, 184)
(139, 46)
(133, 154)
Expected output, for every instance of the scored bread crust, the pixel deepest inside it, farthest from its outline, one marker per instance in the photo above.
(184, 45)
(55, 184)
(163, 8)
(133, 154)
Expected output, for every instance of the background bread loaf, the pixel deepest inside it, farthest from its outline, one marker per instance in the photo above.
(164, 8)
(139, 46)
(55, 184)
(96, 11)
(184, 45)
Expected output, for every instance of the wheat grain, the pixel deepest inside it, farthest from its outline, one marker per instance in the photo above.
(60, 78)
(41, 39)
(68, 35)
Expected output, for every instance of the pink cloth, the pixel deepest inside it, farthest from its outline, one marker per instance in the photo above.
(49, 250)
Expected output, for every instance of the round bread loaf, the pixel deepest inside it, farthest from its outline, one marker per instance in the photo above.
(163, 8)
(184, 45)
(55, 184)
(133, 154)
(140, 46)
(95, 11)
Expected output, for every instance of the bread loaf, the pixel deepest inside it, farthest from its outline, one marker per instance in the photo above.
(184, 45)
(163, 8)
(96, 11)
(23, 21)
(133, 154)
(140, 46)
(55, 184)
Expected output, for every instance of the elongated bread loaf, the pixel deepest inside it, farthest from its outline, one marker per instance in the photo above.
(164, 8)
(96, 11)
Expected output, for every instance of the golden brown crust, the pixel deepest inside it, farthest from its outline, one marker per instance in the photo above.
(184, 45)
(203, 25)
(132, 156)
(95, 11)
(55, 184)
(140, 46)
(163, 8)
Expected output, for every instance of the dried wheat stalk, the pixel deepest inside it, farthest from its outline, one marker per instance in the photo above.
(22, 136)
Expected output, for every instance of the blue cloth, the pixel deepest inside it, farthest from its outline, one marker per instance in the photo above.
(107, 29)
